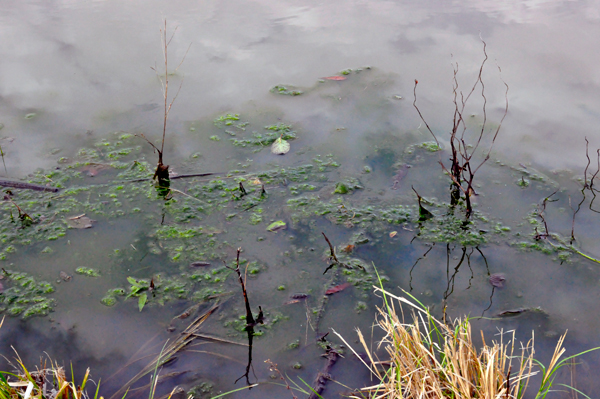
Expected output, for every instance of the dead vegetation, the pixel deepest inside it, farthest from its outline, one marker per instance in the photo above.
(430, 359)
(161, 175)
(463, 166)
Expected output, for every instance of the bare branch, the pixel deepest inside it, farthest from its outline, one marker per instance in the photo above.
(419, 111)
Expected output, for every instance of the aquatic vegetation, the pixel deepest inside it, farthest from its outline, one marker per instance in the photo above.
(280, 147)
(87, 271)
(227, 120)
(268, 137)
(287, 90)
(429, 146)
(24, 295)
(450, 228)
(195, 286)
(277, 225)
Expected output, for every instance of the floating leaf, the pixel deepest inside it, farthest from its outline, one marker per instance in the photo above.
(80, 222)
(275, 226)
(335, 78)
(393, 234)
(497, 280)
(424, 214)
(133, 282)
(280, 147)
(337, 288)
(142, 301)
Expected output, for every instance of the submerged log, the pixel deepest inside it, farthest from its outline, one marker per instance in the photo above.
(26, 186)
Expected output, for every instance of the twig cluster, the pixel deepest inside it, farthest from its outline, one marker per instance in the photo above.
(462, 170)
(162, 170)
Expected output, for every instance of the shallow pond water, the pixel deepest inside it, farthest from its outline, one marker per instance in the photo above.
(77, 91)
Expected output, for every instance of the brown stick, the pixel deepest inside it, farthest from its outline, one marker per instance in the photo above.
(324, 375)
(249, 317)
(461, 172)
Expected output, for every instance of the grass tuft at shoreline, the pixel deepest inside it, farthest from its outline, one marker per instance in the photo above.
(431, 359)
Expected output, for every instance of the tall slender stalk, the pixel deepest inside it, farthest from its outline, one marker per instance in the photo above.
(461, 171)
(162, 170)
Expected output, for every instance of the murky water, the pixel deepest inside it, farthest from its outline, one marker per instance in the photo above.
(77, 85)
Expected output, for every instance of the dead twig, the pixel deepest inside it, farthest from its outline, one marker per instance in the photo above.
(462, 171)
(161, 173)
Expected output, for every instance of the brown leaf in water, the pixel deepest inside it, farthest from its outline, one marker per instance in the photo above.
(80, 222)
(65, 277)
(337, 288)
(513, 312)
(299, 295)
(348, 248)
(93, 169)
(335, 78)
(199, 264)
(497, 280)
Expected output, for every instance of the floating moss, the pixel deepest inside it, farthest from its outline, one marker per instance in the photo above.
(109, 300)
(347, 185)
(430, 146)
(87, 271)
(286, 90)
(25, 296)
(294, 344)
(267, 137)
(522, 182)
(341, 188)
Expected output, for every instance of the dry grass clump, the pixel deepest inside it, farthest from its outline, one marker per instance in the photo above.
(51, 382)
(47, 382)
(429, 359)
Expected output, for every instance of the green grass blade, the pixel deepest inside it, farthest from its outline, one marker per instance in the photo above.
(154, 379)
(311, 388)
(576, 390)
(97, 389)
(235, 390)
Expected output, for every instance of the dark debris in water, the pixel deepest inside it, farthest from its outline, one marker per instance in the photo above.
(497, 280)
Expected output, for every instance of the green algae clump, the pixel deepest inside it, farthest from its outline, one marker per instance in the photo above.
(87, 271)
(25, 296)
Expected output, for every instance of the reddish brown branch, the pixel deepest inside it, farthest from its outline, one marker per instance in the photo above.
(462, 172)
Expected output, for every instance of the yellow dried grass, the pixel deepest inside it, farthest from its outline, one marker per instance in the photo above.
(431, 360)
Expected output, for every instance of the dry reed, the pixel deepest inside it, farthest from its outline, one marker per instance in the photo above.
(428, 359)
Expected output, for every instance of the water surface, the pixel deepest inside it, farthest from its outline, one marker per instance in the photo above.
(75, 74)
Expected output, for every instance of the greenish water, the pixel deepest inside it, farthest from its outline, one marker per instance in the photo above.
(357, 147)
